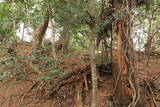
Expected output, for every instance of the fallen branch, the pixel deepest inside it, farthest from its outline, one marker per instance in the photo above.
(71, 77)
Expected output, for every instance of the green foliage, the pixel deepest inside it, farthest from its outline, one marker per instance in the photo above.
(4, 75)
(63, 56)
(43, 63)
(80, 42)
(6, 20)
(52, 75)
(103, 27)
(48, 63)
(18, 74)
(12, 63)
(106, 60)
(97, 59)
(70, 13)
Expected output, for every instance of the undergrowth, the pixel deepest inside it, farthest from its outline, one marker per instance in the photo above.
(15, 67)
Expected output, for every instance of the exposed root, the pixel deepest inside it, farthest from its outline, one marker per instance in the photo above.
(79, 88)
(71, 77)
(86, 84)
(151, 94)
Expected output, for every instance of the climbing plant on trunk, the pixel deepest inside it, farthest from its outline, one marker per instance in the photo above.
(126, 89)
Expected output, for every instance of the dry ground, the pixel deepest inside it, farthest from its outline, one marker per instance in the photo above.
(31, 93)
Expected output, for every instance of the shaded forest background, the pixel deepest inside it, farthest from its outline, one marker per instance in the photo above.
(79, 53)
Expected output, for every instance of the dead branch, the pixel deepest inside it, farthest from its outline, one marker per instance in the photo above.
(68, 78)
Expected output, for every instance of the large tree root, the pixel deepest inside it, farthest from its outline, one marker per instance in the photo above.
(68, 78)
(73, 77)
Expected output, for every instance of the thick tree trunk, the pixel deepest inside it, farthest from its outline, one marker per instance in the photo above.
(125, 85)
(123, 92)
(92, 57)
(38, 34)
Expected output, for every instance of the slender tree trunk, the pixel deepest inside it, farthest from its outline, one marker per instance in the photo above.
(52, 28)
(151, 34)
(92, 55)
(23, 32)
(14, 30)
(79, 89)
(147, 46)
(93, 68)
(65, 38)
(53, 38)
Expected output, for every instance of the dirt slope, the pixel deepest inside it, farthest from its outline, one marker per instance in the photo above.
(24, 93)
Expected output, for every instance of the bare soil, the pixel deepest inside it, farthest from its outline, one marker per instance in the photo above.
(25, 93)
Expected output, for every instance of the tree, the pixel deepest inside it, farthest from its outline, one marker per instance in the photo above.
(126, 91)
(10, 19)
(38, 34)
(152, 27)
(92, 53)
(53, 27)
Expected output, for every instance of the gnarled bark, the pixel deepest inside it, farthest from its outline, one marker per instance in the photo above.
(125, 93)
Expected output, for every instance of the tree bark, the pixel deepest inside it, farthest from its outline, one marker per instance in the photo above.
(65, 38)
(147, 46)
(92, 55)
(93, 68)
(39, 33)
(79, 89)
(52, 28)
(53, 38)
(151, 34)
(123, 94)
(125, 84)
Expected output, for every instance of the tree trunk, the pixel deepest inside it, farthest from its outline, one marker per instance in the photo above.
(147, 46)
(65, 38)
(52, 28)
(151, 34)
(123, 91)
(79, 89)
(92, 55)
(125, 85)
(23, 32)
(93, 68)
(53, 38)
(38, 34)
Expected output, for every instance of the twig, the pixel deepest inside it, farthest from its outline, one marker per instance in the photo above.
(152, 94)
(8, 101)
(33, 86)
(86, 84)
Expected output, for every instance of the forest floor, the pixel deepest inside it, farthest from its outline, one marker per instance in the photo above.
(33, 93)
